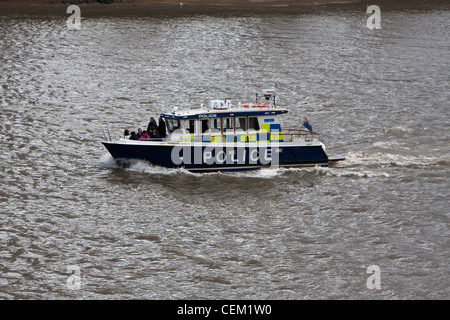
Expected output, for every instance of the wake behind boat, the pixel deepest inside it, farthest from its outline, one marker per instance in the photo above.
(224, 137)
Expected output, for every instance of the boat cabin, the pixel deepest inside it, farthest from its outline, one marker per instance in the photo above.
(223, 122)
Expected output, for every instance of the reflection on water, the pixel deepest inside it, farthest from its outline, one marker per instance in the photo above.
(378, 97)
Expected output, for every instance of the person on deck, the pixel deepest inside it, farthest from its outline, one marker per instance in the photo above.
(139, 133)
(134, 136)
(145, 136)
(161, 128)
(152, 125)
(307, 125)
(154, 134)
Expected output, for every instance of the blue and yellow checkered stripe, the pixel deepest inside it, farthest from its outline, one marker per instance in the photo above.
(268, 132)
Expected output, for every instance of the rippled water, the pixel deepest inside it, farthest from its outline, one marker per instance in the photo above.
(378, 97)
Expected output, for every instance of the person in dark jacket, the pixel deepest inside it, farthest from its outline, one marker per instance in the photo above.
(133, 136)
(152, 125)
(154, 134)
(161, 128)
(139, 133)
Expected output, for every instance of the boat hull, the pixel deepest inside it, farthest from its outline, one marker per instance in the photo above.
(204, 158)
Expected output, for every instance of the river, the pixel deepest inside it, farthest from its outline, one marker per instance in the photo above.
(380, 98)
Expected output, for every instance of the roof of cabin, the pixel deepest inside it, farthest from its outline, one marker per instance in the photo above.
(222, 113)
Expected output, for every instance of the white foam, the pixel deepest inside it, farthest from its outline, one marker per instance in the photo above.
(341, 169)
(363, 174)
(107, 161)
(392, 159)
(141, 166)
(339, 172)
(265, 173)
(388, 144)
(399, 129)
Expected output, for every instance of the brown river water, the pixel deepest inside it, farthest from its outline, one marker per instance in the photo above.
(380, 98)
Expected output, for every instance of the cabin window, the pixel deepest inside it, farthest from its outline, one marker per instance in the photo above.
(241, 123)
(228, 123)
(205, 125)
(253, 123)
(215, 124)
(188, 125)
(191, 128)
(172, 125)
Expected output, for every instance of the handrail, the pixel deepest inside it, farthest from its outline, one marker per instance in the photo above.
(104, 135)
(301, 134)
(301, 130)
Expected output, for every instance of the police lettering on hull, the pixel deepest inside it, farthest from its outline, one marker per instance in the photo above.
(218, 155)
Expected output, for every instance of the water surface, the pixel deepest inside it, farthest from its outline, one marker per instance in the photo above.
(380, 98)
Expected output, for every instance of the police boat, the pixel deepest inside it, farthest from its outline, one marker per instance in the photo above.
(227, 137)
